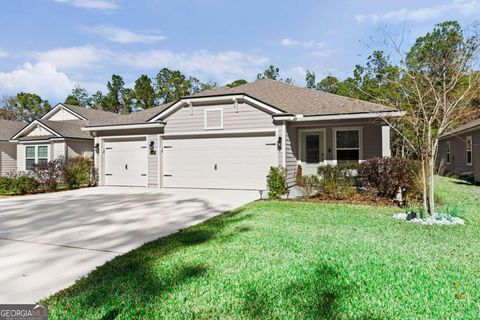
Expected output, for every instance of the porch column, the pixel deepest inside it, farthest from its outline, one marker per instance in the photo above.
(386, 152)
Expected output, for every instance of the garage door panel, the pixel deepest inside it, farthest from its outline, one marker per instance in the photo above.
(241, 162)
(126, 163)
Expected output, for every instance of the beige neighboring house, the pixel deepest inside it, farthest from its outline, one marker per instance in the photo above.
(228, 138)
(459, 151)
(8, 150)
(56, 135)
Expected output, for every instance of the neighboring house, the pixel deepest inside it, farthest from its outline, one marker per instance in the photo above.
(57, 134)
(459, 151)
(8, 150)
(228, 138)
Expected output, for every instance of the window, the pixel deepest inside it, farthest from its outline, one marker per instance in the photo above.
(468, 144)
(214, 118)
(35, 155)
(312, 145)
(447, 147)
(347, 145)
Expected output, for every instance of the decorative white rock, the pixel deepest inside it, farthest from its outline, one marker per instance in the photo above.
(439, 219)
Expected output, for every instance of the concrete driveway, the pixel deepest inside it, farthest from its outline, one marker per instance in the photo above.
(47, 241)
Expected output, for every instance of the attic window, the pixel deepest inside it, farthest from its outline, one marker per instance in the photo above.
(213, 118)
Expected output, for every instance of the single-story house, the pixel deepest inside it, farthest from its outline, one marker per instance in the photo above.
(459, 151)
(228, 138)
(57, 134)
(8, 150)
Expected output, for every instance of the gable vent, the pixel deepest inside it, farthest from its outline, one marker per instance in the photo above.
(214, 118)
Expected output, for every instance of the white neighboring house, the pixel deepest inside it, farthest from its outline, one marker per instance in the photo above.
(57, 134)
(8, 150)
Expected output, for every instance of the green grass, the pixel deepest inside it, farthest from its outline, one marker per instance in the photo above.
(293, 260)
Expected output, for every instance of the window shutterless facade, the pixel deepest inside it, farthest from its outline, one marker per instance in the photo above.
(468, 145)
(35, 155)
(447, 148)
(348, 145)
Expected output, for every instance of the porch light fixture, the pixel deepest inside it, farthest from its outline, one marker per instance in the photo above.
(97, 148)
(279, 144)
(151, 147)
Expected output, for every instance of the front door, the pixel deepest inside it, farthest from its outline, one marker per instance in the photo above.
(312, 150)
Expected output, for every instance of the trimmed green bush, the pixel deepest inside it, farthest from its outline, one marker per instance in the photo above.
(276, 182)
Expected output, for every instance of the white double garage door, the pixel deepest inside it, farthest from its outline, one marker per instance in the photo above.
(225, 162)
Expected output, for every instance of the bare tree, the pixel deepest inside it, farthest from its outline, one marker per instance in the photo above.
(439, 79)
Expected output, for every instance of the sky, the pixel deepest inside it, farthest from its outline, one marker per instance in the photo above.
(49, 46)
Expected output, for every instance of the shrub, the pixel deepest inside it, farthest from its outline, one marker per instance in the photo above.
(298, 175)
(18, 183)
(276, 182)
(49, 175)
(307, 185)
(338, 181)
(387, 176)
(78, 172)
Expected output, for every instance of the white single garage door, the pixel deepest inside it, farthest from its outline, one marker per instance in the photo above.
(126, 163)
(240, 162)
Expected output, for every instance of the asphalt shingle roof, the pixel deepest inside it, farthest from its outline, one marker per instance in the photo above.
(91, 114)
(296, 100)
(9, 128)
(286, 97)
(67, 129)
(132, 118)
(470, 125)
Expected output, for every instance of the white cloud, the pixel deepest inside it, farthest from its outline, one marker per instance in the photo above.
(463, 7)
(323, 52)
(41, 78)
(288, 42)
(120, 35)
(221, 66)
(73, 57)
(3, 53)
(104, 5)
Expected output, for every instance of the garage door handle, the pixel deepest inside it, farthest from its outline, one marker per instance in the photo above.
(167, 175)
(143, 175)
(271, 144)
(126, 167)
(109, 174)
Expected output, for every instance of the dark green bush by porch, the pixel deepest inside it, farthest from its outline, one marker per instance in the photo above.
(276, 182)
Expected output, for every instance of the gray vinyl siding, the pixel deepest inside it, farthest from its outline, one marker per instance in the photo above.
(372, 140)
(153, 162)
(8, 157)
(82, 148)
(458, 154)
(247, 117)
(290, 155)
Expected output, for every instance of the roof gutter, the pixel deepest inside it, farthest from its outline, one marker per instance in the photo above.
(125, 126)
(351, 116)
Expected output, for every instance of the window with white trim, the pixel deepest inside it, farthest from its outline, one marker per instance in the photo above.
(213, 118)
(468, 146)
(35, 155)
(447, 150)
(347, 145)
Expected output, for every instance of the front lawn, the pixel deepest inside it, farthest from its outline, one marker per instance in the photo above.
(294, 260)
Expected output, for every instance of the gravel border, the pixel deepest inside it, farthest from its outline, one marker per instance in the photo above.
(431, 221)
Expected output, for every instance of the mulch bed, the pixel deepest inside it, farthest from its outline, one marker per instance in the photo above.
(361, 199)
